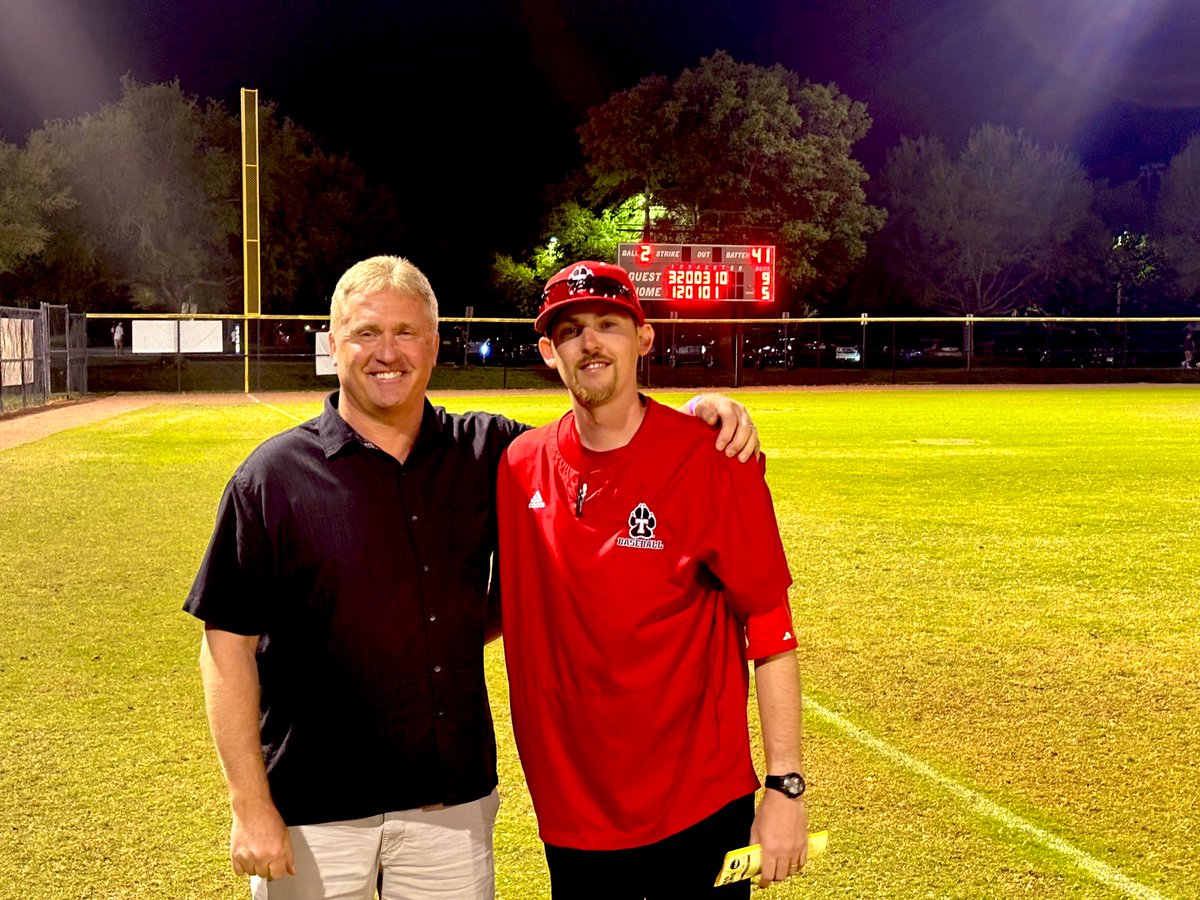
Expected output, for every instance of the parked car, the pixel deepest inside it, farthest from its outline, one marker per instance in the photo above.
(1050, 345)
(690, 350)
(481, 352)
(516, 352)
(1077, 348)
(1153, 346)
(773, 348)
(847, 353)
(1012, 348)
(494, 351)
(931, 352)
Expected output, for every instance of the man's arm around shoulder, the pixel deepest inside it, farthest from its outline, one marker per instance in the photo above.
(737, 435)
(259, 841)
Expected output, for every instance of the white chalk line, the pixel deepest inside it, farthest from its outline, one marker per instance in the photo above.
(282, 412)
(1099, 870)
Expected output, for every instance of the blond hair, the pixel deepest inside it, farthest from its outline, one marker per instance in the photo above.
(380, 273)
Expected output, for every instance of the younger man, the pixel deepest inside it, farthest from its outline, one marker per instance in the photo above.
(639, 571)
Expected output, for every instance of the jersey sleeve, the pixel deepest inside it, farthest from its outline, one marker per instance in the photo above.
(770, 632)
(746, 552)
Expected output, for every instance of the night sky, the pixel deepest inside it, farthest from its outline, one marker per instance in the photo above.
(467, 110)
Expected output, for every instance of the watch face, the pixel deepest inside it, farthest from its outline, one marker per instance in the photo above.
(791, 785)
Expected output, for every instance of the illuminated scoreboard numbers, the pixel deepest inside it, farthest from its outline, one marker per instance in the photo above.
(762, 255)
(763, 259)
(764, 284)
(700, 273)
(697, 281)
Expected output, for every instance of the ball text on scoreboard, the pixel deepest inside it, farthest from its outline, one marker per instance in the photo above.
(700, 272)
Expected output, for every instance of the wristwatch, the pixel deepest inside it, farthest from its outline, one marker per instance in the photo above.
(790, 785)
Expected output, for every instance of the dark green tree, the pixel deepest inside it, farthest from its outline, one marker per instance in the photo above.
(29, 197)
(575, 232)
(1179, 218)
(628, 144)
(755, 154)
(734, 153)
(313, 207)
(156, 198)
(157, 216)
(1136, 270)
(990, 230)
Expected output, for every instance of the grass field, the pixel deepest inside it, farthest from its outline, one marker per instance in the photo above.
(995, 591)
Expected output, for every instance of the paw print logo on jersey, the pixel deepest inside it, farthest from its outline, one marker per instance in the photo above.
(642, 522)
(641, 530)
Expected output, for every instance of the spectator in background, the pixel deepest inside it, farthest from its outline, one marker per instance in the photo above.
(1189, 349)
(345, 600)
(118, 336)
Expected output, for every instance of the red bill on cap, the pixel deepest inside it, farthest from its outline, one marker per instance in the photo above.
(588, 282)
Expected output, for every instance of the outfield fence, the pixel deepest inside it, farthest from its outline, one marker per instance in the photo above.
(43, 356)
(212, 352)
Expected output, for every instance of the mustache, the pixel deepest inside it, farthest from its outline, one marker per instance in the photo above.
(595, 357)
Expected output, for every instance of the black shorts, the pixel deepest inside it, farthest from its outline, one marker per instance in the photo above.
(678, 867)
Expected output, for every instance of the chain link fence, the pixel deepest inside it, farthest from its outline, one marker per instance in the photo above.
(43, 356)
(215, 353)
(50, 353)
(23, 368)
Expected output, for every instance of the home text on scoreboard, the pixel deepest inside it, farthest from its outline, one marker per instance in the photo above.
(700, 272)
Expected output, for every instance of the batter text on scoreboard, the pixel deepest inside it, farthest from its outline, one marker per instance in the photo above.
(700, 272)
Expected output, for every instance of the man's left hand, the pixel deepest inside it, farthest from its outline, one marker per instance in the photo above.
(781, 827)
(738, 435)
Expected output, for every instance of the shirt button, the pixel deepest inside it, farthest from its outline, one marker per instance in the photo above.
(433, 618)
(414, 518)
(441, 713)
(437, 668)
(424, 568)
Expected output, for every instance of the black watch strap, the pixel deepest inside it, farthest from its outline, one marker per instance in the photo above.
(790, 785)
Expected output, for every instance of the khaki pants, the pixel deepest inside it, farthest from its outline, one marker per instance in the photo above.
(442, 852)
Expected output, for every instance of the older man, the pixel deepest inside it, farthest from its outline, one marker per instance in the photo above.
(345, 600)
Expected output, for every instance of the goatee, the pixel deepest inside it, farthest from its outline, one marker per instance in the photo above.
(597, 395)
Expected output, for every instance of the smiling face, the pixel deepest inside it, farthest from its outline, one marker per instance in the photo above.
(384, 354)
(595, 348)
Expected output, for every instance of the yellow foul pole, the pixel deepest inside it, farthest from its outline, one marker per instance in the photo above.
(251, 260)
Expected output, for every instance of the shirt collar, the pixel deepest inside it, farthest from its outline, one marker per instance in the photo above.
(336, 435)
(566, 437)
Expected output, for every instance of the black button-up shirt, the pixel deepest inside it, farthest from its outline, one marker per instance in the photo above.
(367, 580)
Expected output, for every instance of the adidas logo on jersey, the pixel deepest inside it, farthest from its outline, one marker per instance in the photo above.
(536, 501)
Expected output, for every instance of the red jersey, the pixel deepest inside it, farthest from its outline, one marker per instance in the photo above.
(635, 584)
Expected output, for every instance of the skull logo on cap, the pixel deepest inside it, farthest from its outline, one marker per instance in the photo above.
(580, 279)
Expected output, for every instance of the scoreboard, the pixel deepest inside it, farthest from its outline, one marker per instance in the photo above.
(700, 272)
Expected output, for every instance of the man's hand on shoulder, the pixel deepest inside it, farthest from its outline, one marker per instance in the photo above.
(738, 435)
